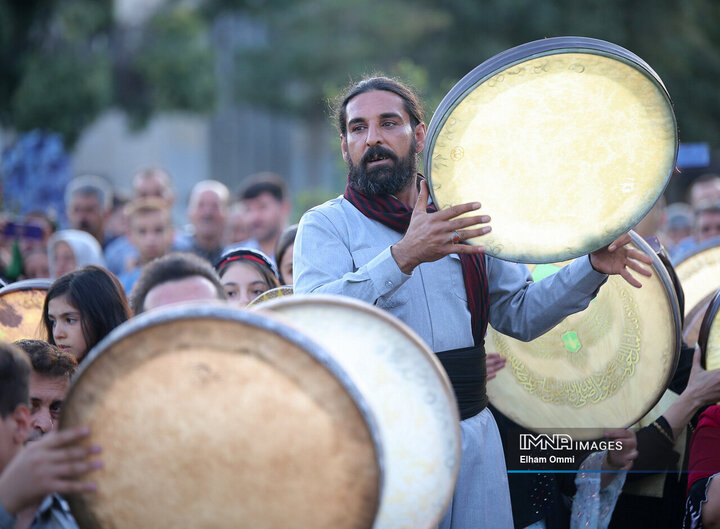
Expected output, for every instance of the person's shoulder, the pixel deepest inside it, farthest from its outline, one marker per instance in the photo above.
(333, 209)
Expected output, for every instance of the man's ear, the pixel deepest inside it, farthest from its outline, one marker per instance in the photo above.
(21, 416)
(344, 148)
(420, 134)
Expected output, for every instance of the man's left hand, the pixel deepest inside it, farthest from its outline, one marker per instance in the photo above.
(618, 258)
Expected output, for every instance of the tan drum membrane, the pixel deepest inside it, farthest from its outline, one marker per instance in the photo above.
(408, 392)
(604, 367)
(213, 418)
(21, 305)
(566, 151)
(709, 336)
(699, 274)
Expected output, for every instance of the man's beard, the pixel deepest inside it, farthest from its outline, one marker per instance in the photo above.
(386, 179)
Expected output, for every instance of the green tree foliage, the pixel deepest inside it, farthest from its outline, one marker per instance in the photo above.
(63, 62)
(314, 48)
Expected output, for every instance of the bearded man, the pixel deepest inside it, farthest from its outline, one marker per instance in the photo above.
(382, 242)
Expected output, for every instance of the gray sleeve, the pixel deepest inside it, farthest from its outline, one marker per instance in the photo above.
(524, 310)
(323, 263)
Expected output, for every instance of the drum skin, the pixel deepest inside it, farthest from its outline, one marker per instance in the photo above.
(604, 367)
(209, 416)
(21, 305)
(408, 392)
(566, 142)
(699, 272)
(709, 336)
(273, 293)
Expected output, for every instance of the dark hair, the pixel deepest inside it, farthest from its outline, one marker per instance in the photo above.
(257, 184)
(48, 360)
(172, 267)
(99, 298)
(14, 379)
(286, 240)
(369, 84)
(255, 258)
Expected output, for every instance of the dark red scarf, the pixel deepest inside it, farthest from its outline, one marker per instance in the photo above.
(394, 214)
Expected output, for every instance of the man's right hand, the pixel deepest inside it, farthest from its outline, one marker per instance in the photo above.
(429, 236)
(50, 465)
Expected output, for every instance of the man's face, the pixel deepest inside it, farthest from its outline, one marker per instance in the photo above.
(151, 233)
(707, 225)
(703, 192)
(46, 398)
(208, 214)
(193, 288)
(380, 143)
(266, 216)
(85, 213)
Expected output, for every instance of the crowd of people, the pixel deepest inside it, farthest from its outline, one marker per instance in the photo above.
(381, 242)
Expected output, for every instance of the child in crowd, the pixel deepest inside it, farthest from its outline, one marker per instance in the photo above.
(284, 255)
(82, 307)
(245, 274)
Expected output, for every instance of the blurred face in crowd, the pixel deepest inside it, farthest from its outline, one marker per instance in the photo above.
(193, 288)
(267, 216)
(46, 398)
(85, 212)
(707, 225)
(63, 259)
(152, 185)
(35, 265)
(243, 282)
(705, 192)
(208, 215)
(152, 234)
(286, 266)
(67, 327)
(13, 434)
(238, 227)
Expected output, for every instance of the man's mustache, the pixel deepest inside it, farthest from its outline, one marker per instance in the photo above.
(375, 151)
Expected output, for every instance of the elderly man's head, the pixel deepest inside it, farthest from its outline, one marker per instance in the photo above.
(707, 221)
(207, 211)
(88, 200)
(49, 382)
(153, 182)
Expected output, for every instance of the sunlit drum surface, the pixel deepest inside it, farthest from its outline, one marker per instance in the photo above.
(709, 338)
(209, 416)
(699, 272)
(566, 148)
(408, 392)
(604, 367)
(21, 305)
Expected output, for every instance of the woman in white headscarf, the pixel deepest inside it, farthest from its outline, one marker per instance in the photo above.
(69, 250)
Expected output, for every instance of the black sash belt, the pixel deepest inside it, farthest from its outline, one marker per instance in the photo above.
(466, 369)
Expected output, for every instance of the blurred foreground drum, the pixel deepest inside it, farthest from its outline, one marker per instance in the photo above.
(604, 367)
(21, 305)
(566, 142)
(209, 417)
(709, 336)
(699, 273)
(407, 390)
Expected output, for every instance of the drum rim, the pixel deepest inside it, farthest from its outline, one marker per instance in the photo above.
(354, 303)
(706, 325)
(660, 270)
(285, 290)
(696, 250)
(27, 284)
(522, 53)
(224, 312)
(346, 302)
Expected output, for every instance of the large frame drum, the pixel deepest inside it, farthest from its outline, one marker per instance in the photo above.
(566, 142)
(699, 273)
(209, 417)
(408, 391)
(604, 367)
(21, 305)
(709, 336)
